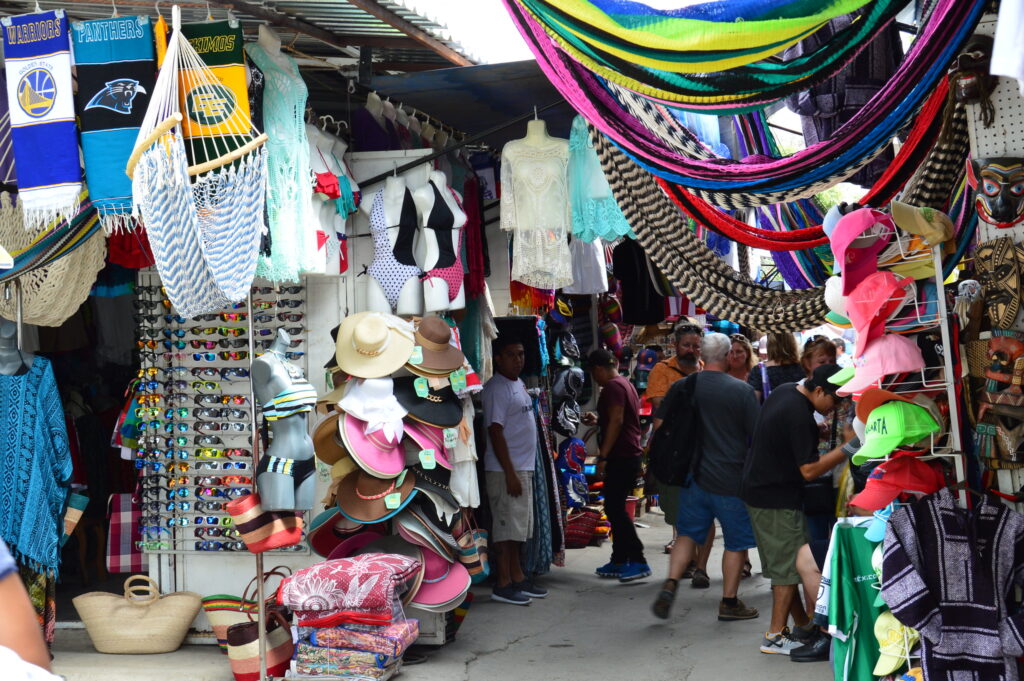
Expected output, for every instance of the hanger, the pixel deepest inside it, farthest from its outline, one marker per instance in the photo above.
(534, 112)
(209, 13)
(116, 14)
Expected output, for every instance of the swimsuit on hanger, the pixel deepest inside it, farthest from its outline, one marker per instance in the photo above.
(452, 274)
(442, 221)
(300, 398)
(327, 183)
(389, 268)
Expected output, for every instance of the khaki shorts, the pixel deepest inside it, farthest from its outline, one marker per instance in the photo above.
(512, 516)
(780, 532)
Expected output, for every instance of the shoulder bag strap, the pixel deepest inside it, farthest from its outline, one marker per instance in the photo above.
(766, 383)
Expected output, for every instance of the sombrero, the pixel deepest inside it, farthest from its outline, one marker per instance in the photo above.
(438, 407)
(372, 345)
(443, 585)
(373, 452)
(366, 499)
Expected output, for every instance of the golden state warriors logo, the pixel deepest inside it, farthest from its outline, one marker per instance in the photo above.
(37, 92)
(210, 104)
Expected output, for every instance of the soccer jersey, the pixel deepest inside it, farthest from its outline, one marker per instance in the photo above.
(852, 611)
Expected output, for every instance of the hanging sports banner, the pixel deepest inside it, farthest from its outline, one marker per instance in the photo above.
(37, 56)
(116, 69)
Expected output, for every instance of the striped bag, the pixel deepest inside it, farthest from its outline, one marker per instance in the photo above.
(472, 543)
(244, 648)
(264, 530)
(225, 610)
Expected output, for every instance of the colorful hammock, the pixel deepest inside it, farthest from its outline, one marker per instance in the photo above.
(798, 176)
(61, 238)
(659, 40)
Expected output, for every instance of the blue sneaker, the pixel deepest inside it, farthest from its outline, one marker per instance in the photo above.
(610, 570)
(633, 571)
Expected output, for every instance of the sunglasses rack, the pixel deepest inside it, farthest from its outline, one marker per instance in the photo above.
(195, 411)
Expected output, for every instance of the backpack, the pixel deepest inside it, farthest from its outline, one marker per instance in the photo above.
(674, 452)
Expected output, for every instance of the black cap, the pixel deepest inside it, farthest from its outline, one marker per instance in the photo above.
(819, 379)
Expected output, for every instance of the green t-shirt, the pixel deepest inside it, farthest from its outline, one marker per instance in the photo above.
(852, 612)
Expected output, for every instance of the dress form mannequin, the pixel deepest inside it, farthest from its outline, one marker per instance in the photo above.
(321, 151)
(435, 290)
(13, 362)
(410, 300)
(271, 44)
(272, 375)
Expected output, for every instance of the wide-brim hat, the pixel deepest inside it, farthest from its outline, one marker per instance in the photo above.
(339, 381)
(327, 445)
(440, 407)
(436, 354)
(443, 583)
(435, 482)
(375, 542)
(366, 499)
(414, 528)
(420, 437)
(372, 452)
(372, 344)
(328, 529)
(373, 400)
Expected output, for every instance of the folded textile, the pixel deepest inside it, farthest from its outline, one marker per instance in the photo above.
(116, 67)
(391, 641)
(341, 658)
(357, 673)
(360, 590)
(37, 58)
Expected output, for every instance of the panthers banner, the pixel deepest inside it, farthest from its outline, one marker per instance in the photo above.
(216, 113)
(116, 73)
(37, 61)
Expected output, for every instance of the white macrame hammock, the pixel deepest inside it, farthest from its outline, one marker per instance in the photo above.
(204, 222)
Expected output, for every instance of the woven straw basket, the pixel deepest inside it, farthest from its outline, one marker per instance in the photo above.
(140, 622)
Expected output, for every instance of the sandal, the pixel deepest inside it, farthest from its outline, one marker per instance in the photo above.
(669, 546)
(666, 597)
(748, 570)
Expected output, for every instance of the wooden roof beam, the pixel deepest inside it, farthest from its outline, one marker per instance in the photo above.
(394, 20)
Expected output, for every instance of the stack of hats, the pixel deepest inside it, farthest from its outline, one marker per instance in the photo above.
(388, 442)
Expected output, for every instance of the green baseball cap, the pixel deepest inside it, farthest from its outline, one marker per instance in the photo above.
(841, 377)
(891, 425)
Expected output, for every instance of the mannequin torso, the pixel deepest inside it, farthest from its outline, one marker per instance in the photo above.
(436, 290)
(13, 362)
(272, 376)
(410, 297)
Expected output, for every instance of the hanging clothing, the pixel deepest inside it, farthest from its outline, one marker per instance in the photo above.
(537, 553)
(42, 593)
(1007, 58)
(477, 261)
(388, 268)
(589, 275)
(950, 573)
(289, 205)
(535, 209)
(595, 214)
(369, 134)
(35, 466)
(641, 302)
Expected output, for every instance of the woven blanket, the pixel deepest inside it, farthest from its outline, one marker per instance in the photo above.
(390, 641)
(116, 70)
(341, 659)
(37, 58)
(215, 114)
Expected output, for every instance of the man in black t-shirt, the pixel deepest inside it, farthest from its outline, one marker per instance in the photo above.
(783, 456)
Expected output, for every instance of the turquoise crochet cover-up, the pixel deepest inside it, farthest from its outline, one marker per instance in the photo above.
(594, 211)
(289, 190)
(35, 467)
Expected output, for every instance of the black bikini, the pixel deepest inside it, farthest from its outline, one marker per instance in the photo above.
(442, 221)
(406, 232)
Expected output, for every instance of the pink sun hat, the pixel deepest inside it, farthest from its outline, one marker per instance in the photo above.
(858, 238)
(429, 437)
(889, 354)
(374, 452)
(443, 582)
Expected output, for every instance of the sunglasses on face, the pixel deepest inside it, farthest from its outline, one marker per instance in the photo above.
(294, 330)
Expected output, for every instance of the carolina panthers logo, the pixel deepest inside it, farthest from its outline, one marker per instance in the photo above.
(117, 96)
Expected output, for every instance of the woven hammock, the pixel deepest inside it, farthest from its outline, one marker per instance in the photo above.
(659, 40)
(205, 221)
(798, 176)
(55, 267)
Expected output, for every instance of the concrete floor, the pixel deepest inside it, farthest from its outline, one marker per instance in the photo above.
(587, 629)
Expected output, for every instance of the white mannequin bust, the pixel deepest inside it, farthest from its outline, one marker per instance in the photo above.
(376, 107)
(414, 123)
(271, 44)
(321, 147)
(402, 118)
(388, 110)
(410, 300)
(435, 289)
(428, 132)
(537, 133)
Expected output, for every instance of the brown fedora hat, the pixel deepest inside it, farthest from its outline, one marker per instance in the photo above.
(437, 354)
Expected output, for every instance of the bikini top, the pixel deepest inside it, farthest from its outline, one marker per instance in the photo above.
(442, 219)
(406, 231)
(298, 399)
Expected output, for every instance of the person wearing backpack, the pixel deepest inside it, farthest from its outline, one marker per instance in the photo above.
(618, 463)
(725, 413)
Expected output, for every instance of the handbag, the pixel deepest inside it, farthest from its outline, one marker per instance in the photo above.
(225, 610)
(472, 543)
(264, 530)
(125, 515)
(244, 647)
(579, 528)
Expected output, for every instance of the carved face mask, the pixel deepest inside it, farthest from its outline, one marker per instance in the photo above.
(996, 264)
(970, 80)
(1003, 353)
(999, 189)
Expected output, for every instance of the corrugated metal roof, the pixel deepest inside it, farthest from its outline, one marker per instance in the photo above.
(337, 16)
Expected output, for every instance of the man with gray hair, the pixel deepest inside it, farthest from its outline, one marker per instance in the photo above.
(727, 414)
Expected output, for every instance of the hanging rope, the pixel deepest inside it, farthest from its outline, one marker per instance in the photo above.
(706, 279)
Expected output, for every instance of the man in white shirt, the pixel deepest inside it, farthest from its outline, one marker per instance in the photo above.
(509, 465)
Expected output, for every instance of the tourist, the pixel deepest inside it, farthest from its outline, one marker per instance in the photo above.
(618, 463)
(509, 466)
(842, 358)
(783, 457)
(727, 414)
(741, 357)
(818, 350)
(782, 366)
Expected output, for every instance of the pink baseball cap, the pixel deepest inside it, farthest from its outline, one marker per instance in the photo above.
(443, 581)
(888, 354)
(858, 238)
(879, 296)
